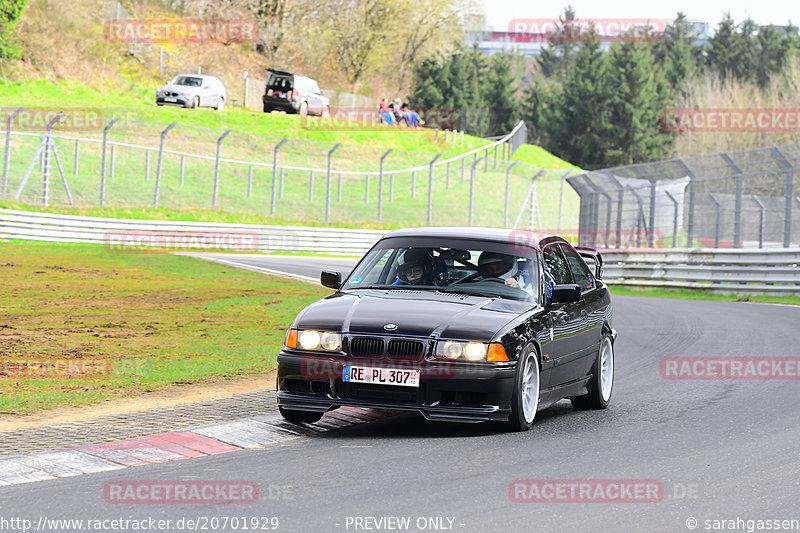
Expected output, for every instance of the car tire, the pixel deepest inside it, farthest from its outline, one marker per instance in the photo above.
(196, 102)
(221, 105)
(326, 113)
(525, 396)
(601, 384)
(303, 109)
(267, 109)
(300, 417)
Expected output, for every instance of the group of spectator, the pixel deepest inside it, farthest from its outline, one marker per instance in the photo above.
(392, 114)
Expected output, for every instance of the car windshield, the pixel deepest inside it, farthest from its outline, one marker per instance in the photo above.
(482, 270)
(188, 81)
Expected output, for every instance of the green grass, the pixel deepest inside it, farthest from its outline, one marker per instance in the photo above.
(700, 294)
(138, 104)
(151, 319)
(130, 189)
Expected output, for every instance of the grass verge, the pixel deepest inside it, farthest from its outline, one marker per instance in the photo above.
(80, 324)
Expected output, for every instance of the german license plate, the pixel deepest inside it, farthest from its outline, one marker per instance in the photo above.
(381, 376)
(170, 99)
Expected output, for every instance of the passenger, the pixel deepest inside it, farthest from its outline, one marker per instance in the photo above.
(415, 267)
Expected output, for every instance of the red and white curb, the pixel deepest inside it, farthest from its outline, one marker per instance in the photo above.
(257, 432)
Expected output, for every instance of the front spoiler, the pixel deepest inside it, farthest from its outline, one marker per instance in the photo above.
(443, 413)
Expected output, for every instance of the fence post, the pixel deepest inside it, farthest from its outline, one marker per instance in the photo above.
(250, 181)
(103, 162)
(762, 220)
(508, 178)
(244, 101)
(787, 219)
(674, 219)
(311, 186)
(75, 160)
(719, 210)
(561, 198)
(690, 223)
(339, 188)
(472, 176)
(380, 183)
(161, 160)
(366, 189)
(216, 167)
(328, 187)
(413, 182)
(495, 157)
(651, 232)
(146, 163)
(7, 156)
(430, 187)
(113, 160)
(182, 170)
(486, 160)
(639, 216)
(737, 216)
(275, 174)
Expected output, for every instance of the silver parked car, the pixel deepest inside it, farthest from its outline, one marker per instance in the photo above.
(192, 90)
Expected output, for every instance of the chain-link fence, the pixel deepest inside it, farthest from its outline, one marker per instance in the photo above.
(725, 200)
(124, 163)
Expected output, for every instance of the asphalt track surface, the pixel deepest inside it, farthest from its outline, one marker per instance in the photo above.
(721, 449)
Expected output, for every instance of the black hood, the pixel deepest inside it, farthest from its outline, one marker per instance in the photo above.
(415, 313)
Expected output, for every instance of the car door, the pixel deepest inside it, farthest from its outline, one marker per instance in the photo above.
(592, 308)
(315, 102)
(566, 350)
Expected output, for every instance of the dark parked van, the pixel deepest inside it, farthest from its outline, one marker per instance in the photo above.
(294, 94)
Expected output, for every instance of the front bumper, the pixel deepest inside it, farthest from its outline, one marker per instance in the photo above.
(178, 100)
(448, 391)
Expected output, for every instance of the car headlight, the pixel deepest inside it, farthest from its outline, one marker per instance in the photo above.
(309, 339)
(471, 351)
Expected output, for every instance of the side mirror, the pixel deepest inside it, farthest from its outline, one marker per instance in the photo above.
(566, 293)
(333, 279)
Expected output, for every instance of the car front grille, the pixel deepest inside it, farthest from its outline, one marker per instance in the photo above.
(365, 391)
(366, 347)
(403, 348)
(378, 347)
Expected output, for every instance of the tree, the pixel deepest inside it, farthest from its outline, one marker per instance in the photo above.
(501, 94)
(640, 95)
(271, 16)
(556, 58)
(770, 54)
(578, 115)
(10, 13)
(678, 57)
(727, 53)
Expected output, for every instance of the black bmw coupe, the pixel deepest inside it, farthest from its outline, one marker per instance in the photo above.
(458, 324)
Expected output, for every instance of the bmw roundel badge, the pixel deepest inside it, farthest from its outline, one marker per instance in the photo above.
(390, 327)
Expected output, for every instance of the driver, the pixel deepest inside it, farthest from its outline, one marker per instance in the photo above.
(497, 265)
(415, 267)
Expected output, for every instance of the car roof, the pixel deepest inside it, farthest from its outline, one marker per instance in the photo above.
(499, 235)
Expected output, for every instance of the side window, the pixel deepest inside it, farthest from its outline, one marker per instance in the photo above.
(580, 272)
(556, 265)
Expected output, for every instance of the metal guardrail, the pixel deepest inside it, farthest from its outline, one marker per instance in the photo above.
(774, 271)
(119, 233)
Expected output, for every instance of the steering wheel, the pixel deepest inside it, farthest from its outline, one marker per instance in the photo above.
(495, 280)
